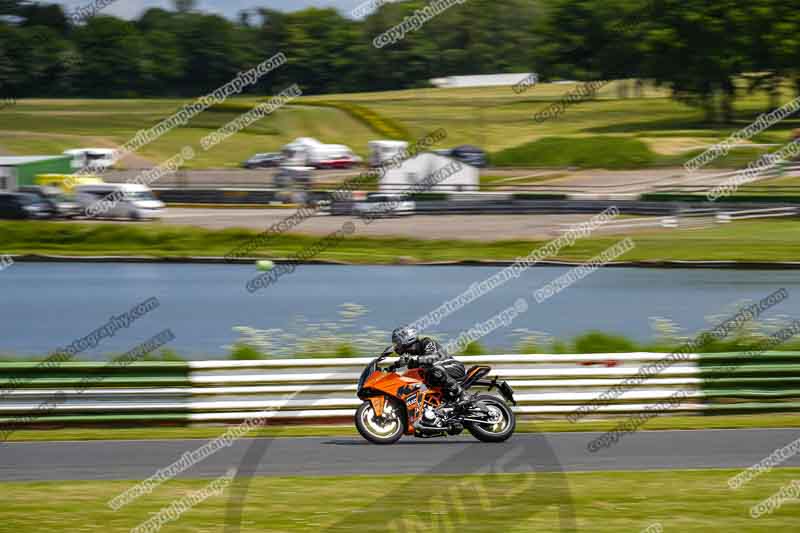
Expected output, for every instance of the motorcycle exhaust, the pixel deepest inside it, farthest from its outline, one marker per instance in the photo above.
(423, 430)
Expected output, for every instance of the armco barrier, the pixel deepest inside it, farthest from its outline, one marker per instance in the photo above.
(324, 389)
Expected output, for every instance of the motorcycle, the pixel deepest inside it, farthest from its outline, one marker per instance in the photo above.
(398, 404)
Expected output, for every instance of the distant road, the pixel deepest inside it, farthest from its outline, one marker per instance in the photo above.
(593, 182)
(96, 460)
(232, 177)
(485, 227)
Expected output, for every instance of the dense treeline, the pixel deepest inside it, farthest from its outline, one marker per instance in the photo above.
(707, 51)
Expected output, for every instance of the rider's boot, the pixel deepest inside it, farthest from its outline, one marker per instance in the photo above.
(461, 397)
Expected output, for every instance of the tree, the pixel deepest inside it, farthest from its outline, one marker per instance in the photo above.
(10, 7)
(184, 6)
(161, 64)
(110, 49)
(210, 52)
(49, 15)
(698, 48)
(774, 28)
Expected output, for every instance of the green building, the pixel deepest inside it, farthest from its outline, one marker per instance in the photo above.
(19, 171)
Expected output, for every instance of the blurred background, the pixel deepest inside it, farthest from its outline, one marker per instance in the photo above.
(380, 163)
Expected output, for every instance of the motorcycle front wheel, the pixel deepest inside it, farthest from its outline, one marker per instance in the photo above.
(500, 425)
(384, 429)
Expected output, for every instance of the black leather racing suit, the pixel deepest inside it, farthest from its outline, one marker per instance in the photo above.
(441, 370)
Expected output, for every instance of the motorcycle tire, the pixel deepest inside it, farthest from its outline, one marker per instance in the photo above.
(370, 428)
(501, 434)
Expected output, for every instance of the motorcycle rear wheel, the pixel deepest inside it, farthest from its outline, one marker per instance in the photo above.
(500, 431)
(386, 429)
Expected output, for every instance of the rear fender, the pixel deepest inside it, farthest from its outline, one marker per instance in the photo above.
(502, 386)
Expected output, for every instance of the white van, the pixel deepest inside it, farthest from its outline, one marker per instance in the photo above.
(119, 200)
(380, 152)
(306, 151)
(97, 159)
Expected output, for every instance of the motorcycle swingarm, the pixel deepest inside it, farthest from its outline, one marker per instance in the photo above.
(505, 389)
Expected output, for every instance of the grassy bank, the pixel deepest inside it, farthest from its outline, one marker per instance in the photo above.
(754, 241)
(499, 119)
(37, 126)
(599, 501)
(524, 425)
(611, 132)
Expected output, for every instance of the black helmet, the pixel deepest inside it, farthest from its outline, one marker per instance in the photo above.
(403, 338)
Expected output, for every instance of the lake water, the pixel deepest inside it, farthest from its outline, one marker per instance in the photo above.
(48, 305)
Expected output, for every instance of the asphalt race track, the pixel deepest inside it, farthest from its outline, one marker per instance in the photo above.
(96, 460)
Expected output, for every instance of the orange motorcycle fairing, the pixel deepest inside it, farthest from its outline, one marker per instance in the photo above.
(408, 388)
(377, 404)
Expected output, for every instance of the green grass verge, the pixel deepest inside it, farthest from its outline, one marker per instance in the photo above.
(604, 152)
(684, 500)
(490, 181)
(762, 241)
(524, 426)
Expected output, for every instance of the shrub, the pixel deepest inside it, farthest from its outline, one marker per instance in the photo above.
(245, 352)
(474, 348)
(591, 152)
(384, 126)
(599, 342)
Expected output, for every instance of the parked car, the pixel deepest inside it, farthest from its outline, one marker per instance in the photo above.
(385, 205)
(63, 206)
(344, 159)
(471, 155)
(265, 160)
(132, 201)
(306, 151)
(381, 152)
(24, 206)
